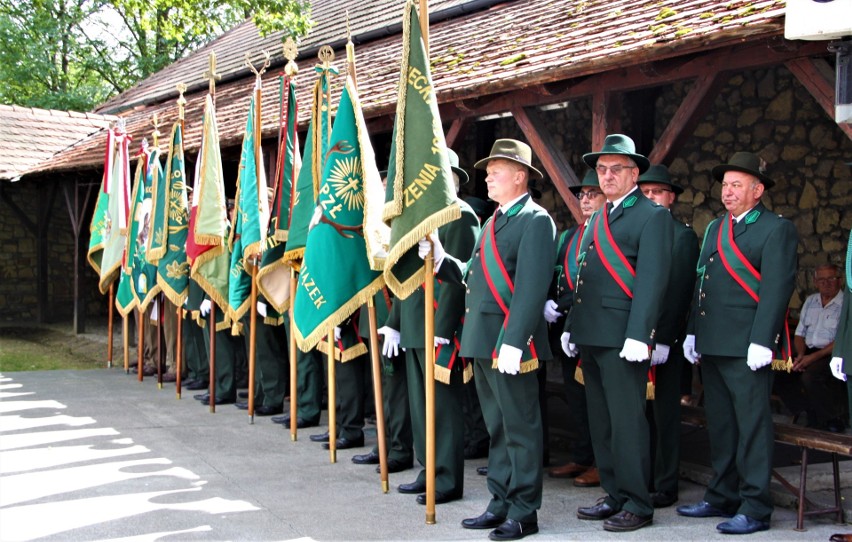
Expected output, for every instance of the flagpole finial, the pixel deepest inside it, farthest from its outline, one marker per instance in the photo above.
(326, 55)
(181, 102)
(257, 72)
(155, 135)
(291, 51)
(211, 74)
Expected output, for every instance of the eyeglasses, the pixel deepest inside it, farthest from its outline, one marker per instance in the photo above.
(616, 169)
(655, 191)
(825, 279)
(591, 194)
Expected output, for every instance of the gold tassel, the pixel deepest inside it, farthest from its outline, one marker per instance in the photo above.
(782, 365)
(578, 375)
(649, 391)
(468, 373)
(442, 374)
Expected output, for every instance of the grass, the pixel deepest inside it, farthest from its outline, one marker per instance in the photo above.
(43, 349)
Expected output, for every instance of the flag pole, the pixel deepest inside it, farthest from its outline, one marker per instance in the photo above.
(125, 329)
(160, 334)
(429, 290)
(332, 400)
(179, 350)
(211, 322)
(109, 324)
(371, 312)
(294, 365)
(140, 343)
(258, 161)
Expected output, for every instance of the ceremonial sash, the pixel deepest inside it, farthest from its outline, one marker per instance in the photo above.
(572, 252)
(349, 346)
(735, 262)
(446, 355)
(783, 361)
(502, 288)
(612, 258)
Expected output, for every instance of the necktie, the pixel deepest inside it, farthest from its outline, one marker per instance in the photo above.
(608, 208)
(498, 214)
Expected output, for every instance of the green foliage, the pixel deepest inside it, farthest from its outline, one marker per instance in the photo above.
(74, 54)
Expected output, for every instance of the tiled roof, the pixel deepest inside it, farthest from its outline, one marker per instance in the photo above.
(29, 136)
(512, 45)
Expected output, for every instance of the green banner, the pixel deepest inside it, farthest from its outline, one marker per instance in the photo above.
(335, 278)
(420, 196)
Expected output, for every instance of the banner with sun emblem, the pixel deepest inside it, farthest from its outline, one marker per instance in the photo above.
(170, 223)
(336, 278)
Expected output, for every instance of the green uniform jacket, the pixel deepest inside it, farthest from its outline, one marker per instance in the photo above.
(603, 315)
(526, 243)
(407, 316)
(724, 318)
(843, 339)
(681, 285)
(560, 290)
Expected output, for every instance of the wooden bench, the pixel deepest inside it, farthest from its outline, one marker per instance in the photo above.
(806, 439)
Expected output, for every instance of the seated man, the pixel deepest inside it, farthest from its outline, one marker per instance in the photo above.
(812, 388)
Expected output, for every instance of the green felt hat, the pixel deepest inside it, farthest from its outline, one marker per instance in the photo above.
(659, 173)
(746, 162)
(617, 144)
(589, 179)
(454, 165)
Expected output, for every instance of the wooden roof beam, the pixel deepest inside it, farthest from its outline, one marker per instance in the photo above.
(818, 77)
(551, 158)
(693, 108)
(606, 116)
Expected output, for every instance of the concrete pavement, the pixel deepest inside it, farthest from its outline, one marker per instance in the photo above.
(96, 455)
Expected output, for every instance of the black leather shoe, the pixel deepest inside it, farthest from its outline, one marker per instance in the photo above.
(486, 520)
(663, 499)
(601, 510)
(203, 397)
(345, 443)
(242, 405)
(242, 394)
(265, 410)
(702, 509)
(440, 497)
(742, 524)
(482, 471)
(513, 530)
(371, 458)
(395, 465)
(626, 521)
(322, 437)
(224, 400)
(186, 383)
(412, 488)
(197, 385)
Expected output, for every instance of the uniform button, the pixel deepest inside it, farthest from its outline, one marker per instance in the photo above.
(711, 258)
(579, 300)
(702, 313)
(703, 294)
(466, 309)
(581, 282)
(468, 290)
(706, 277)
(584, 264)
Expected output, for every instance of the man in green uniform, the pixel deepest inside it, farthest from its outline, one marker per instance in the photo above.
(309, 383)
(746, 274)
(625, 257)
(228, 348)
(581, 456)
(197, 366)
(407, 316)
(272, 374)
(507, 281)
(667, 358)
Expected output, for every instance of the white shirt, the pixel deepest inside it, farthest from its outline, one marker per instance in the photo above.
(818, 324)
(505, 208)
(617, 202)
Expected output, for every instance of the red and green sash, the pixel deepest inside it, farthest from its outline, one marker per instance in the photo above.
(502, 288)
(572, 252)
(735, 262)
(612, 258)
(447, 355)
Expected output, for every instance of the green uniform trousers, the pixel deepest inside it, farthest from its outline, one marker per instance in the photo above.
(351, 387)
(228, 348)
(513, 417)
(666, 417)
(577, 414)
(615, 395)
(398, 434)
(272, 373)
(739, 423)
(310, 377)
(449, 424)
(194, 350)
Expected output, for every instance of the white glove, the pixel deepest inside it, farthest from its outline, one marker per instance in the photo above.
(634, 350)
(437, 248)
(660, 354)
(261, 308)
(440, 340)
(550, 312)
(390, 348)
(509, 359)
(758, 356)
(689, 350)
(568, 347)
(337, 333)
(204, 309)
(836, 365)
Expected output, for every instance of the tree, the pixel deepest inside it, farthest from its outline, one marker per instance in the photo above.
(73, 54)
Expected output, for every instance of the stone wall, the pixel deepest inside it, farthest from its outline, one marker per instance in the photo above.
(765, 111)
(18, 258)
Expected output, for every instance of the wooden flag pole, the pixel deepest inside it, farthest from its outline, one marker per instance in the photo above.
(294, 363)
(125, 329)
(377, 395)
(160, 333)
(332, 400)
(211, 322)
(179, 351)
(140, 344)
(109, 323)
(252, 341)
